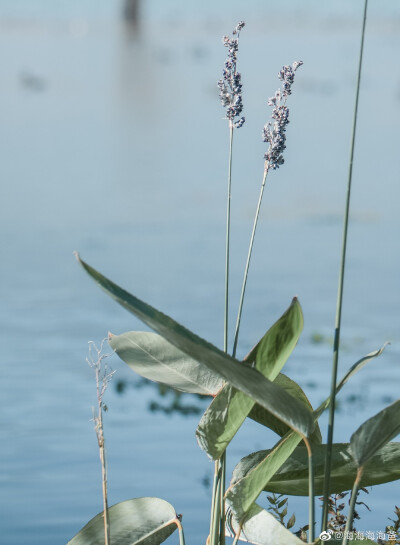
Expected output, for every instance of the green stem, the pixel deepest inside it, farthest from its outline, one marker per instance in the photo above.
(214, 502)
(222, 500)
(311, 501)
(246, 270)
(228, 227)
(336, 345)
(353, 500)
(217, 512)
(217, 532)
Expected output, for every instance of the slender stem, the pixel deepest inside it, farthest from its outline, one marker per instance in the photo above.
(228, 227)
(214, 502)
(105, 495)
(102, 453)
(217, 523)
(103, 377)
(217, 508)
(180, 530)
(246, 270)
(220, 468)
(353, 500)
(336, 345)
(237, 535)
(311, 501)
(222, 501)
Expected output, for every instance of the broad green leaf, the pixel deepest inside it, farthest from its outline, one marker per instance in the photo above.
(375, 433)
(229, 409)
(243, 493)
(222, 419)
(156, 359)
(292, 477)
(264, 417)
(242, 377)
(272, 351)
(261, 528)
(141, 521)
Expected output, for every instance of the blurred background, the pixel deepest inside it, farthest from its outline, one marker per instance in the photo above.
(113, 143)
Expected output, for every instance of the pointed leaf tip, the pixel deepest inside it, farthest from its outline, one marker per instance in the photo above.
(228, 411)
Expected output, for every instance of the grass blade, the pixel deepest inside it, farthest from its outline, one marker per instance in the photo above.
(336, 344)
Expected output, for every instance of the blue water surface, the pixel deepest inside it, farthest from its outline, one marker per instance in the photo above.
(114, 144)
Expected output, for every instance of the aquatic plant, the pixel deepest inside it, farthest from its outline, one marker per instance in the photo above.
(256, 388)
(103, 375)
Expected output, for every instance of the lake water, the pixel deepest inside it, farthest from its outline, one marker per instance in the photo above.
(114, 144)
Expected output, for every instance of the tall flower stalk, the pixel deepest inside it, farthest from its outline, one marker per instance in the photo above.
(230, 92)
(274, 133)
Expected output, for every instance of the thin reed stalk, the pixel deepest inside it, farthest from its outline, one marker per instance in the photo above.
(338, 318)
(222, 501)
(216, 507)
(353, 500)
(227, 245)
(246, 269)
(230, 88)
(275, 134)
(102, 451)
(214, 502)
(217, 527)
(311, 500)
(103, 376)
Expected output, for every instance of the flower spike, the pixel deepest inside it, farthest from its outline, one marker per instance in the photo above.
(230, 85)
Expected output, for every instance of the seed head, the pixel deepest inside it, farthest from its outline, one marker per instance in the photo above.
(275, 132)
(230, 86)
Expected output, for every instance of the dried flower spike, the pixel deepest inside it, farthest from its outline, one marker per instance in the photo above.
(230, 86)
(275, 132)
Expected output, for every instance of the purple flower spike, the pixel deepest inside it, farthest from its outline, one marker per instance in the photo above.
(275, 132)
(230, 86)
